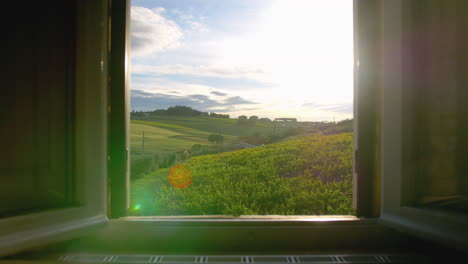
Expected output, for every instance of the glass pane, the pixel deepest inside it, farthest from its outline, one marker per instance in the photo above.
(436, 110)
(241, 107)
(36, 130)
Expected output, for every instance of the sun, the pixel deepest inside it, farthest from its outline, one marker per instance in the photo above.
(304, 47)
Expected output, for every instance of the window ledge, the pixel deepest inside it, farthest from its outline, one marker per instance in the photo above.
(138, 235)
(244, 218)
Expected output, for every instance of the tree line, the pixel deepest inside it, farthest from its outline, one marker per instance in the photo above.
(252, 120)
(177, 110)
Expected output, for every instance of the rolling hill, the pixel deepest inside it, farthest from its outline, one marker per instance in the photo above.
(309, 175)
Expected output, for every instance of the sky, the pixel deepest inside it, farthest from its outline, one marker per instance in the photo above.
(269, 58)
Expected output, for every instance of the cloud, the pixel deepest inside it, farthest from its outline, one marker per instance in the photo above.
(194, 23)
(205, 71)
(197, 26)
(141, 100)
(346, 108)
(151, 32)
(235, 100)
(218, 93)
(199, 97)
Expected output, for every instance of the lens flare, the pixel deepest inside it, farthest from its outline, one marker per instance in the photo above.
(180, 176)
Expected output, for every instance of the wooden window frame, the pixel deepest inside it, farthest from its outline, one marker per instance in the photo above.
(377, 148)
(102, 124)
(150, 229)
(443, 227)
(366, 140)
(90, 133)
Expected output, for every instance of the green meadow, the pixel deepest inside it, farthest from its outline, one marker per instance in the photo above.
(306, 175)
(165, 138)
(285, 171)
(155, 144)
(211, 125)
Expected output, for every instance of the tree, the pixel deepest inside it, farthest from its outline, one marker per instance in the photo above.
(253, 120)
(215, 138)
(180, 110)
(212, 114)
(242, 119)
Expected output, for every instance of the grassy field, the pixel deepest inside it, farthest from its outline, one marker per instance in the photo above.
(166, 138)
(302, 176)
(163, 144)
(214, 125)
(287, 175)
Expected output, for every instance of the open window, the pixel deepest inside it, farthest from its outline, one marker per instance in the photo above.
(390, 101)
(424, 118)
(390, 117)
(256, 122)
(53, 182)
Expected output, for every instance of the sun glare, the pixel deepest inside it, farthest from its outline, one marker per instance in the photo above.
(306, 54)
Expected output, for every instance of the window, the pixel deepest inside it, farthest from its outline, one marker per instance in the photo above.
(379, 101)
(38, 128)
(421, 120)
(435, 145)
(58, 75)
(119, 186)
(236, 109)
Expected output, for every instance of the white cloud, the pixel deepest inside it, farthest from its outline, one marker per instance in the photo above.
(163, 85)
(142, 100)
(205, 71)
(151, 32)
(197, 26)
(194, 23)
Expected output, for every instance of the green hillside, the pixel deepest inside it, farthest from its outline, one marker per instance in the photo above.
(164, 138)
(163, 144)
(215, 125)
(309, 175)
(167, 137)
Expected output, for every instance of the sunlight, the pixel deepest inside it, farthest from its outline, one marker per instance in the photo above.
(305, 54)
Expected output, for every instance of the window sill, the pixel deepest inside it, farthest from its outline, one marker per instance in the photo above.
(147, 235)
(243, 218)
